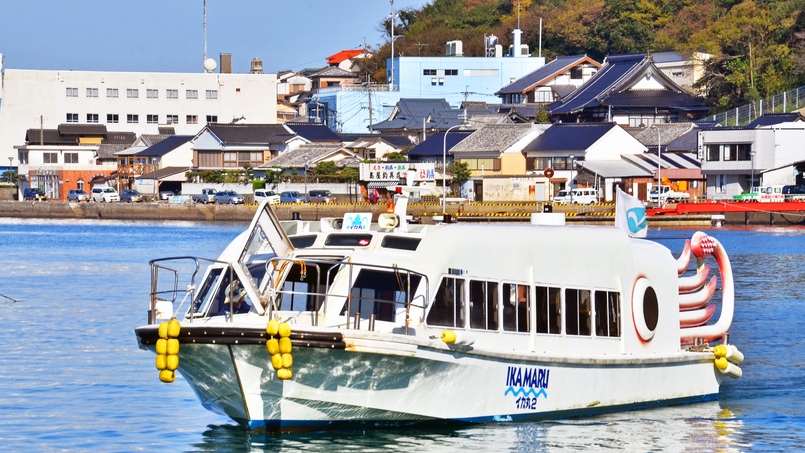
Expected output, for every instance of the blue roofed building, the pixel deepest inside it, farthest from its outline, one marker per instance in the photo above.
(631, 91)
(436, 149)
(454, 78)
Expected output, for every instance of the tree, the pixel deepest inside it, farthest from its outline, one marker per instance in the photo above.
(461, 174)
(396, 157)
(326, 168)
(9, 176)
(542, 115)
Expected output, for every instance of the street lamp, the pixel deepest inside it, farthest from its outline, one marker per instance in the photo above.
(444, 169)
(10, 179)
(154, 176)
(659, 163)
(570, 183)
(752, 179)
(306, 163)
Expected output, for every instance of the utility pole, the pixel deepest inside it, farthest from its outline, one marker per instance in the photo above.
(369, 92)
(391, 84)
(420, 46)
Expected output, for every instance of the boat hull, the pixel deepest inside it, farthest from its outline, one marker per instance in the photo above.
(373, 383)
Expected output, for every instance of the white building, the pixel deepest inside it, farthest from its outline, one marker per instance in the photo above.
(136, 102)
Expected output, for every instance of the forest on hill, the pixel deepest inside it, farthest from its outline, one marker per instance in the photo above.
(756, 48)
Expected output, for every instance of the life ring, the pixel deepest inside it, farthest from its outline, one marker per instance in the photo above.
(548, 173)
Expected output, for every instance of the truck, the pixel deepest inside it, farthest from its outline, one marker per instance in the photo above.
(206, 196)
(666, 194)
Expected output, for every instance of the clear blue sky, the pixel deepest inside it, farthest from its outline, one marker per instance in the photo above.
(168, 36)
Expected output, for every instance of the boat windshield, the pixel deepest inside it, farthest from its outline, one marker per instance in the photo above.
(267, 240)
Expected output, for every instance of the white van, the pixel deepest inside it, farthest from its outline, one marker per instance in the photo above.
(578, 196)
(104, 194)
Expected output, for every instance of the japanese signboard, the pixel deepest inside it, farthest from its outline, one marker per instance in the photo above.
(394, 171)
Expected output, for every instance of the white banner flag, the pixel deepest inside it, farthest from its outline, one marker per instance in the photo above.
(630, 215)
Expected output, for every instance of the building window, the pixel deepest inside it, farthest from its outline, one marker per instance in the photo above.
(172, 94)
(713, 153)
(152, 119)
(131, 119)
(677, 74)
(132, 93)
(575, 73)
(152, 94)
(212, 118)
(70, 158)
(192, 119)
(72, 92)
(212, 94)
(80, 184)
(50, 158)
(111, 92)
(72, 117)
(191, 94)
(451, 72)
(730, 152)
(744, 151)
(429, 72)
(173, 119)
(112, 118)
(92, 92)
(542, 163)
(92, 117)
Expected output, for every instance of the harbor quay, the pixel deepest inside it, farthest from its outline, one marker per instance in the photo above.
(597, 214)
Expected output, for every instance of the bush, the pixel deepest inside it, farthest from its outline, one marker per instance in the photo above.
(257, 185)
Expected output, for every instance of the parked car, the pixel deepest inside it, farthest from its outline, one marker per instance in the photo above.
(77, 195)
(794, 193)
(206, 196)
(131, 196)
(320, 196)
(576, 196)
(229, 197)
(291, 197)
(165, 194)
(104, 194)
(266, 195)
(33, 195)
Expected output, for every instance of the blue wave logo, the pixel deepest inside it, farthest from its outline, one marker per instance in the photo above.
(636, 217)
(522, 391)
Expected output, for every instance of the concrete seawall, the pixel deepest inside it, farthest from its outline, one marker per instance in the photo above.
(599, 215)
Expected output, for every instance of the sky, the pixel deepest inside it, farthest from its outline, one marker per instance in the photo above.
(168, 36)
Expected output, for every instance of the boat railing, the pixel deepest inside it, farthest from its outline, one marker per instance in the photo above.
(170, 295)
(276, 293)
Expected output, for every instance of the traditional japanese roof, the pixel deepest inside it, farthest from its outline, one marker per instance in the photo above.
(296, 158)
(110, 150)
(399, 140)
(770, 119)
(152, 139)
(314, 132)
(536, 78)
(251, 134)
(334, 71)
(493, 138)
(120, 138)
(82, 129)
(434, 145)
(687, 142)
(478, 120)
(163, 173)
(567, 137)
(49, 137)
(166, 146)
(668, 132)
(611, 86)
(409, 113)
(343, 55)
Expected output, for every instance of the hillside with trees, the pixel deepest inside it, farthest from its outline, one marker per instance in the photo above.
(757, 47)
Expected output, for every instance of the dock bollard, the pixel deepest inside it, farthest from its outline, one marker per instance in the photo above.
(296, 216)
(357, 324)
(371, 322)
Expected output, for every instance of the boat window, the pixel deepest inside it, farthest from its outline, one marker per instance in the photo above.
(402, 243)
(483, 305)
(447, 308)
(348, 240)
(204, 296)
(303, 242)
(577, 311)
(379, 293)
(549, 310)
(607, 314)
(266, 240)
(516, 308)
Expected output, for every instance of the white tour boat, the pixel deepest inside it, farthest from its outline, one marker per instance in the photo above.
(339, 323)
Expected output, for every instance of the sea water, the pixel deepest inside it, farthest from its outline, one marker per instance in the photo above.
(73, 379)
